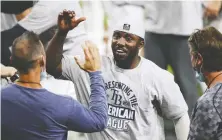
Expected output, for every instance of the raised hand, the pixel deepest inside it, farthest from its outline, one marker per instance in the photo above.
(92, 58)
(67, 21)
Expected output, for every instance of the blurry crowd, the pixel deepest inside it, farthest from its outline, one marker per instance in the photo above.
(167, 26)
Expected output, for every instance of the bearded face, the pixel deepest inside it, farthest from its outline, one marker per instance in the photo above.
(125, 46)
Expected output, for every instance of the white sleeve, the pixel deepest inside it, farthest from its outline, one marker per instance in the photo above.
(70, 70)
(173, 104)
(42, 17)
(182, 127)
(134, 3)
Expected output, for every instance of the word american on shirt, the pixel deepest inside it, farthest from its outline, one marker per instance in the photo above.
(121, 105)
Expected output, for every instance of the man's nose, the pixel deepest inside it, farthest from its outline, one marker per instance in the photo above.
(121, 41)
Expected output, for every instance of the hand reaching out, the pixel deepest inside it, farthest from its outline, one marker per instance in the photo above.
(7, 71)
(92, 58)
(67, 21)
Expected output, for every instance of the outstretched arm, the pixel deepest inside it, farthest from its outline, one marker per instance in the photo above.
(66, 22)
(95, 117)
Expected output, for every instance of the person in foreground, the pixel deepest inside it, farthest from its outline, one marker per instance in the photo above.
(206, 56)
(30, 112)
(139, 93)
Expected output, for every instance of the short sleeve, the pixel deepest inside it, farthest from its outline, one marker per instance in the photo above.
(173, 104)
(70, 70)
(42, 17)
(205, 122)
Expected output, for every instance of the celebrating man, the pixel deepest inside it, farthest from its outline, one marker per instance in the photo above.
(139, 93)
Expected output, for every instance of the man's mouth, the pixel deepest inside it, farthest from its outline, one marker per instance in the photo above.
(120, 52)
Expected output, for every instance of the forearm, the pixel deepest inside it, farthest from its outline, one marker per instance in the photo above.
(182, 127)
(98, 103)
(98, 100)
(95, 117)
(7, 71)
(23, 14)
(54, 53)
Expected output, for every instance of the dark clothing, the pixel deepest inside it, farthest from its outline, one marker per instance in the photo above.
(206, 119)
(15, 7)
(37, 114)
(164, 49)
(7, 38)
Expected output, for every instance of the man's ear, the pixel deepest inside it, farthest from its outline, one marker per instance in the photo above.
(42, 61)
(199, 59)
(141, 44)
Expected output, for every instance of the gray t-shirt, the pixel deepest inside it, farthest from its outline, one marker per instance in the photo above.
(7, 21)
(206, 122)
(132, 109)
(173, 17)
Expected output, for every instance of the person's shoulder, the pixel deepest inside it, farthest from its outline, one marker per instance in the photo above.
(210, 97)
(70, 59)
(149, 64)
(204, 105)
(106, 58)
(9, 91)
(153, 69)
(206, 114)
(106, 61)
(8, 88)
(58, 97)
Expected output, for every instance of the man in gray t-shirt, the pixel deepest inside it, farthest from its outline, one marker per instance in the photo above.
(206, 57)
(139, 93)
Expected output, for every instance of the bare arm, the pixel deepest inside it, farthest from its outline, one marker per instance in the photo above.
(54, 54)
(66, 22)
(182, 127)
(173, 105)
(7, 71)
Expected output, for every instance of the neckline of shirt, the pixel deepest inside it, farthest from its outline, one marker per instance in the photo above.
(115, 67)
(217, 85)
(18, 86)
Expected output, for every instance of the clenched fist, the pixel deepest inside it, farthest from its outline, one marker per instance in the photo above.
(67, 21)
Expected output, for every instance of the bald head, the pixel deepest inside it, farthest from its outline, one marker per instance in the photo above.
(26, 50)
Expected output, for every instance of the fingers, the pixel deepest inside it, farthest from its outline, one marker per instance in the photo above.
(90, 51)
(60, 16)
(80, 20)
(66, 15)
(87, 53)
(90, 48)
(67, 19)
(92, 58)
(93, 50)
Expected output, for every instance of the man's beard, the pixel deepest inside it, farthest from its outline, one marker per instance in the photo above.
(127, 62)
